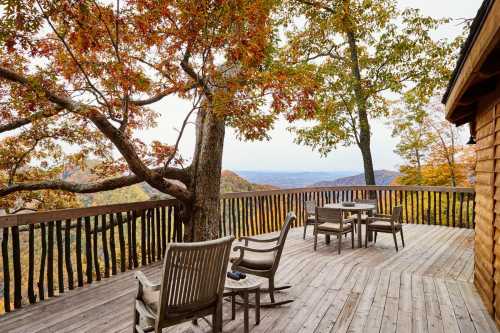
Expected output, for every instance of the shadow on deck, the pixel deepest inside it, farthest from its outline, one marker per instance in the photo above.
(426, 287)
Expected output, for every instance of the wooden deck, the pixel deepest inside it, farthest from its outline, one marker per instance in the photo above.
(426, 287)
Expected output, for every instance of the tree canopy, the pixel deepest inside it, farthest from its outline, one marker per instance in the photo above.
(430, 146)
(361, 55)
(78, 80)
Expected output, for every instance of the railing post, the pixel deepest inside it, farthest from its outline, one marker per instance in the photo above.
(5, 265)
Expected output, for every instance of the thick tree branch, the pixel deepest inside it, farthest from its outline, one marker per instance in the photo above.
(124, 146)
(20, 122)
(199, 80)
(62, 102)
(92, 187)
(105, 185)
(150, 100)
(317, 4)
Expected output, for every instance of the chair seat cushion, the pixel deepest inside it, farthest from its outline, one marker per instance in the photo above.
(384, 225)
(330, 226)
(355, 217)
(254, 260)
(151, 298)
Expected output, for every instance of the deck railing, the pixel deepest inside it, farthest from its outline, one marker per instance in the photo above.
(46, 253)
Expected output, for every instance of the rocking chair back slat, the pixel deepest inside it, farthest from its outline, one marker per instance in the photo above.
(193, 276)
(310, 207)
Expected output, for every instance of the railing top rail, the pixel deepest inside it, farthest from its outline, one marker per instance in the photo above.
(353, 188)
(72, 213)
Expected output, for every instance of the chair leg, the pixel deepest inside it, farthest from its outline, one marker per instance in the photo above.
(271, 289)
(352, 238)
(136, 320)
(366, 238)
(315, 240)
(339, 237)
(375, 237)
(305, 229)
(395, 241)
(217, 318)
(402, 237)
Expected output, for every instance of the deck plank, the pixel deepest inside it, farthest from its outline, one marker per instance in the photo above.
(425, 287)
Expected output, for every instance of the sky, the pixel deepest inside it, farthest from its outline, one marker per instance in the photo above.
(280, 153)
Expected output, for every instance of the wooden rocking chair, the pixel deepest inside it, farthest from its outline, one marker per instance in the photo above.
(192, 286)
(264, 262)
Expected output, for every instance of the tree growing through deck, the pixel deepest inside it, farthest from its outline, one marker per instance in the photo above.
(85, 74)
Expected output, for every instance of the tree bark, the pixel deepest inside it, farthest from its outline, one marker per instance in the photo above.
(202, 213)
(364, 125)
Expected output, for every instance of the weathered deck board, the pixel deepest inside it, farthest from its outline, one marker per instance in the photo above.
(426, 287)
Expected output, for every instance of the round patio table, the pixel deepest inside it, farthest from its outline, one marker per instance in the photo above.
(243, 287)
(358, 209)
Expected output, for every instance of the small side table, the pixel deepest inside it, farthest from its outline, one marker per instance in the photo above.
(243, 288)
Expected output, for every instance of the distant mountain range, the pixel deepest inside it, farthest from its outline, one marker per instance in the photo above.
(240, 181)
(382, 177)
(284, 179)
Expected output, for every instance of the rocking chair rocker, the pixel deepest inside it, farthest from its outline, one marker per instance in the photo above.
(264, 262)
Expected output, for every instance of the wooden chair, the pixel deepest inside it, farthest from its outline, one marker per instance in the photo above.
(264, 261)
(310, 217)
(192, 286)
(374, 212)
(330, 221)
(391, 225)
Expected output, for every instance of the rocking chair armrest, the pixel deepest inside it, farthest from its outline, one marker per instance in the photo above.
(144, 281)
(378, 218)
(381, 215)
(258, 240)
(245, 248)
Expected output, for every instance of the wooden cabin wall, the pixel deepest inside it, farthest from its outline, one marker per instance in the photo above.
(487, 231)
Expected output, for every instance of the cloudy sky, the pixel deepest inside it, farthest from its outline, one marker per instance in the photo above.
(281, 153)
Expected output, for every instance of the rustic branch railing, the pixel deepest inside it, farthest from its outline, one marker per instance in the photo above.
(66, 248)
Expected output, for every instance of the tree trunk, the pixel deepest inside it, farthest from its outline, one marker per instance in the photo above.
(202, 213)
(367, 162)
(364, 125)
(419, 167)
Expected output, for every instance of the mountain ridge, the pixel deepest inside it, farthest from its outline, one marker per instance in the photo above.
(382, 177)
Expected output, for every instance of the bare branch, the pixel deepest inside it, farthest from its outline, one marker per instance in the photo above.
(72, 55)
(181, 132)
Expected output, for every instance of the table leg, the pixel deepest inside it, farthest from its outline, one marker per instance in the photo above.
(257, 306)
(233, 306)
(245, 310)
(359, 231)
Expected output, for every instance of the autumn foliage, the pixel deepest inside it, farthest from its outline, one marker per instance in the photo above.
(78, 80)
